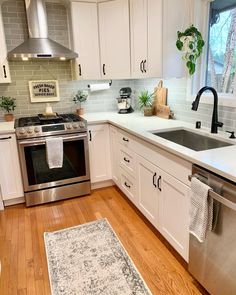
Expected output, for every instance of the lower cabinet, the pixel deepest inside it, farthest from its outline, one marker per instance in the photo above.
(114, 154)
(173, 212)
(10, 175)
(99, 152)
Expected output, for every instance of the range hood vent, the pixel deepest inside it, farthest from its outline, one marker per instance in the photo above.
(39, 46)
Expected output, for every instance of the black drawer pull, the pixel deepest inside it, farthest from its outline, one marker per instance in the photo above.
(158, 183)
(5, 138)
(80, 72)
(4, 72)
(103, 69)
(141, 66)
(127, 185)
(90, 135)
(125, 139)
(154, 179)
(126, 160)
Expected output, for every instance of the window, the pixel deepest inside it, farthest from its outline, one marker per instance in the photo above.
(221, 50)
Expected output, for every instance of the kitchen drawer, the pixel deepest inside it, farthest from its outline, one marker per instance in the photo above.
(127, 159)
(126, 139)
(127, 185)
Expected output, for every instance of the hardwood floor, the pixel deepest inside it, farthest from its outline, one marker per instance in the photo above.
(22, 253)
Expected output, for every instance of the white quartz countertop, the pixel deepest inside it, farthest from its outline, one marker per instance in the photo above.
(221, 160)
(7, 127)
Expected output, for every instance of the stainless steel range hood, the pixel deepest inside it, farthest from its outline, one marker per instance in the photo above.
(39, 46)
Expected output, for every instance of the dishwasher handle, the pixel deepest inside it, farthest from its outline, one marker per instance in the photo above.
(228, 203)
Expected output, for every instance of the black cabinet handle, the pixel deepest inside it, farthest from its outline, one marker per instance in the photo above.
(124, 139)
(5, 138)
(4, 71)
(141, 66)
(158, 183)
(127, 185)
(80, 72)
(144, 66)
(104, 69)
(126, 160)
(154, 179)
(90, 135)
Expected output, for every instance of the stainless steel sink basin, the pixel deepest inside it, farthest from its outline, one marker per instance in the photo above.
(192, 140)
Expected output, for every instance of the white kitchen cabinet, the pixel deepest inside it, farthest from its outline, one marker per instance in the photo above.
(173, 213)
(4, 67)
(147, 190)
(114, 39)
(146, 38)
(114, 154)
(99, 153)
(176, 17)
(10, 175)
(86, 41)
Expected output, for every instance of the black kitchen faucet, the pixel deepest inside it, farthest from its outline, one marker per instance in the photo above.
(214, 123)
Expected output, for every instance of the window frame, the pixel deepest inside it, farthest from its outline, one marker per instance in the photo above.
(201, 19)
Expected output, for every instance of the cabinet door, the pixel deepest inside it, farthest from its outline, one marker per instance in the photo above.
(174, 213)
(10, 176)
(4, 68)
(153, 66)
(99, 153)
(85, 39)
(138, 35)
(114, 39)
(114, 154)
(147, 175)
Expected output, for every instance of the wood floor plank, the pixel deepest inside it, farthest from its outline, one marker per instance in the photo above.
(22, 250)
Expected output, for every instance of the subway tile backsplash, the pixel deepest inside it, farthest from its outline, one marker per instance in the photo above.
(16, 31)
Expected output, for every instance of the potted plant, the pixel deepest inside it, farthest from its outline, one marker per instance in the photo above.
(190, 42)
(8, 105)
(81, 96)
(145, 102)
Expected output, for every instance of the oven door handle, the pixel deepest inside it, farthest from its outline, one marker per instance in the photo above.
(38, 141)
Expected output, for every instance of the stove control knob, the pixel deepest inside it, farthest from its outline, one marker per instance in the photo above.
(68, 126)
(81, 124)
(22, 131)
(36, 129)
(75, 125)
(30, 130)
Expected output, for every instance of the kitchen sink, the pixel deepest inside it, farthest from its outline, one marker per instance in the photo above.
(192, 140)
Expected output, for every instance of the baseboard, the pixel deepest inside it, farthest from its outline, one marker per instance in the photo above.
(14, 201)
(102, 184)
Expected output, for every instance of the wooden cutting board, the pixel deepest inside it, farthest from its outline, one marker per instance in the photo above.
(162, 111)
(160, 96)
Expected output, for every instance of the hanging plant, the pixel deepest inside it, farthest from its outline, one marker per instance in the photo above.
(190, 42)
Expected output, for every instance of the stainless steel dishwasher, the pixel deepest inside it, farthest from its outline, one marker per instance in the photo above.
(213, 262)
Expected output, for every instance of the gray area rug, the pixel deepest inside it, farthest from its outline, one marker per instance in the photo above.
(89, 259)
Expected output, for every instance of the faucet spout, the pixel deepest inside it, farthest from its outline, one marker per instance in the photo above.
(214, 124)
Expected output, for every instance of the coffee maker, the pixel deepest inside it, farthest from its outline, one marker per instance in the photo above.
(124, 101)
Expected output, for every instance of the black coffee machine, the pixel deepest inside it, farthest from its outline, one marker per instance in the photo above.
(124, 101)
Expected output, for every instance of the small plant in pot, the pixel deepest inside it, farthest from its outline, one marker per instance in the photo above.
(8, 105)
(80, 97)
(145, 102)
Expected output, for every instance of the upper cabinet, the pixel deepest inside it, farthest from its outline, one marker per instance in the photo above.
(146, 38)
(4, 68)
(114, 39)
(85, 39)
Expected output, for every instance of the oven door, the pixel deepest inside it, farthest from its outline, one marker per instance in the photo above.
(35, 171)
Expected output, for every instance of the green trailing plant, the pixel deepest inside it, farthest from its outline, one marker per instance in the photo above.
(191, 43)
(145, 99)
(7, 103)
(81, 96)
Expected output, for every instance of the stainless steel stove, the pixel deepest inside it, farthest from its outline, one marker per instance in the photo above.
(42, 184)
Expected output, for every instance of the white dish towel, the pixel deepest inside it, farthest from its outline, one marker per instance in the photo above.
(54, 151)
(201, 209)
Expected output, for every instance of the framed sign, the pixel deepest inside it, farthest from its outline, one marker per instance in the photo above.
(44, 91)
